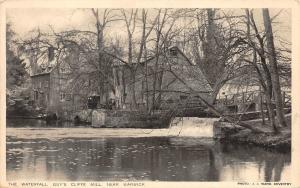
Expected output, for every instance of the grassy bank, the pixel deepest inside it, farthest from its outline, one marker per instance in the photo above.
(281, 142)
(227, 132)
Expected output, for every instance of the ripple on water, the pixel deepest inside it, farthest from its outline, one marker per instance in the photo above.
(107, 156)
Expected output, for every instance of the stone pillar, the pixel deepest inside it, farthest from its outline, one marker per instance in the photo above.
(98, 118)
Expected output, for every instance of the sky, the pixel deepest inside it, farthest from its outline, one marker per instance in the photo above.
(26, 19)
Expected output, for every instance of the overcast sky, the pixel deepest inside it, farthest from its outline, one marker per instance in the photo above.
(26, 19)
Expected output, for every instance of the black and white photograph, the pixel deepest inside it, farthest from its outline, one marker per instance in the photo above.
(137, 95)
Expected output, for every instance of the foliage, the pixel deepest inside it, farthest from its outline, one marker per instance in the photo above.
(16, 73)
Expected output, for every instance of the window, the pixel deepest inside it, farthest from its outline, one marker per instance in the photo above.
(65, 96)
(170, 100)
(68, 97)
(46, 84)
(62, 96)
(183, 97)
(36, 95)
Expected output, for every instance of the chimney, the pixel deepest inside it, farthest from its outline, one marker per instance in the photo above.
(33, 64)
(50, 54)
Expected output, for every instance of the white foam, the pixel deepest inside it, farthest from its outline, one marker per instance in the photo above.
(186, 127)
(193, 127)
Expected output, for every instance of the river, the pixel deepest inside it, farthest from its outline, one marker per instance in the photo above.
(185, 152)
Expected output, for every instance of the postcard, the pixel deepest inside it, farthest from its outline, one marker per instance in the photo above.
(149, 93)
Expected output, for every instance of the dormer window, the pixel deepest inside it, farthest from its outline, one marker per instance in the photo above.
(173, 52)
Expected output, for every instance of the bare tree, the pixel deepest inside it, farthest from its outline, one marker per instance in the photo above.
(164, 22)
(263, 74)
(216, 46)
(104, 68)
(273, 67)
(131, 21)
(264, 68)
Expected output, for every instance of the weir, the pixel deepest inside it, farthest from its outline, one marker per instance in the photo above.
(192, 127)
(180, 127)
(161, 118)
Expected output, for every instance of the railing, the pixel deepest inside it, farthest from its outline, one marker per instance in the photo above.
(250, 97)
(181, 105)
(173, 107)
(239, 98)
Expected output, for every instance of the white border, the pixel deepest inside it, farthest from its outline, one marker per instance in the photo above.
(295, 5)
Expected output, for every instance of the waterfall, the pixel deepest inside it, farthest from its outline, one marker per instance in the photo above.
(192, 127)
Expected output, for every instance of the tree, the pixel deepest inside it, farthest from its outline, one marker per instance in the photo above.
(136, 46)
(216, 46)
(104, 64)
(273, 67)
(263, 74)
(15, 68)
(164, 33)
(268, 72)
(84, 51)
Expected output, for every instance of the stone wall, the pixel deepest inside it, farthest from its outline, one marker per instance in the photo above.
(126, 119)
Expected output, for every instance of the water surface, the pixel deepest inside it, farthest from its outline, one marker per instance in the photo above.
(161, 158)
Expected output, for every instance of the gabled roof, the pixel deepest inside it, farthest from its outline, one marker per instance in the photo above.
(192, 75)
(51, 66)
(192, 78)
(120, 63)
(47, 71)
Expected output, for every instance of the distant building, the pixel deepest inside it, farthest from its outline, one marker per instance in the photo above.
(51, 91)
(237, 97)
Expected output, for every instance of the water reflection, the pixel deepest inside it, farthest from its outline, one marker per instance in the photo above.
(254, 163)
(38, 123)
(159, 158)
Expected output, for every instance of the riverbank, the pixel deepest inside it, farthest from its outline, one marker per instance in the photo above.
(228, 132)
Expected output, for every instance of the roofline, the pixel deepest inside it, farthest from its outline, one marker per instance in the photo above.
(44, 73)
(151, 58)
